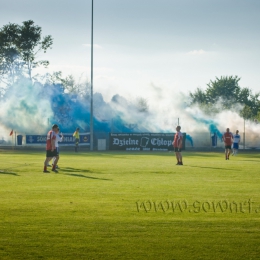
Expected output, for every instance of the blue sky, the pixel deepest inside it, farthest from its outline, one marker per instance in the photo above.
(176, 45)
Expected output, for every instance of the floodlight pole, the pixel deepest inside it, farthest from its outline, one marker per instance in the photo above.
(244, 133)
(91, 91)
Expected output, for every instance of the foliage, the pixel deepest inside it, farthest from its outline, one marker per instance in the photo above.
(80, 88)
(19, 47)
(227, 92)
(257, 118)
(69, 84)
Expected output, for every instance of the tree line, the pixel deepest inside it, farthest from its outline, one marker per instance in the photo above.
(224, 93)
(20, 46)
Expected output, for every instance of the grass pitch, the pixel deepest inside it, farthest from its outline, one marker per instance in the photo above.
(130, 206)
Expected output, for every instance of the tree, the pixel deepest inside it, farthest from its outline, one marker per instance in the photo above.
(227, 92)
(19, 47)
(81, 88)
(198, 96)
(246, 112)
(257, 118)
(10, 62)
(226, 88)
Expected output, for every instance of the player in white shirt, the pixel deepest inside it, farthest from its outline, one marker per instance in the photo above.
(236, 141)
(59, 138)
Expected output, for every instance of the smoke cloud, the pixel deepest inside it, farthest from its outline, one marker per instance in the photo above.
(33, 108)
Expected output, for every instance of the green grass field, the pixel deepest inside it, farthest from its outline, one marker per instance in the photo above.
(130, 206)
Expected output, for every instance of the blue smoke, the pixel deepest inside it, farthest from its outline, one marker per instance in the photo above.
(213, 129)
(189, 138)
(32, 109)
(71, 111)
(211, 126)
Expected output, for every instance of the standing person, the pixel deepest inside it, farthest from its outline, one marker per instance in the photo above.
(236, 142)
(76, 136)
(228, 140)
(59, 138)
(51, 150)
(177, 144)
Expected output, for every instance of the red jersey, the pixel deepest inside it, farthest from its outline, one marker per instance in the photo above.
(50, 136)
(177, 140)
(227, 138)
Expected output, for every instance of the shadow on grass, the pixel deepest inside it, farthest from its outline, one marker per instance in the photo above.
(71, 172)
(69, 169)
(18, 166)
(87, 177)
(214, 168)
(10, 173)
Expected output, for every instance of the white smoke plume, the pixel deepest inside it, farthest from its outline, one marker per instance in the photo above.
(28, 109)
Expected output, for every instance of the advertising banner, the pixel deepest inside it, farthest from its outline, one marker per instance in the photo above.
(142, 141)
(68, 139)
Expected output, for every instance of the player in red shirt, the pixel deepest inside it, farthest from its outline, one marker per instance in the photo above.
(228, 140)
(51, 150)
(177, 144)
